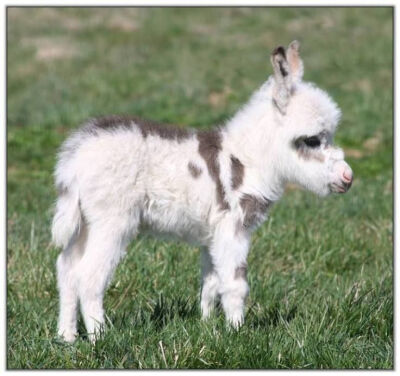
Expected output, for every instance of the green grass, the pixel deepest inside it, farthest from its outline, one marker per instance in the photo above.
(320, 271)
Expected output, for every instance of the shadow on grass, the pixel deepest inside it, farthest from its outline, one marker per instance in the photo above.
(271, 317)
(166, 310)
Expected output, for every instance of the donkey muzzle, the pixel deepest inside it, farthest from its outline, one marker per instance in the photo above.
(343, 178)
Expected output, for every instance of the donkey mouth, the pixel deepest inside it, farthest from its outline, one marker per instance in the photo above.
(339, 188)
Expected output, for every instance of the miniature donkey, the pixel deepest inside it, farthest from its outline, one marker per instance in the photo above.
(117, 176)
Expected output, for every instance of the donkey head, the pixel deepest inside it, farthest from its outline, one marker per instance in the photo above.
(306, 119)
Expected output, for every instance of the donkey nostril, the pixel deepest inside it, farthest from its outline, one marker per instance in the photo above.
(347, 176)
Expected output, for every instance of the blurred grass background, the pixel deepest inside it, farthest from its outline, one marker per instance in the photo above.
(320, 271)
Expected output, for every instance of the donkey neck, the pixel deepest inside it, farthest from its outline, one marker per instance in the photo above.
(250, 137)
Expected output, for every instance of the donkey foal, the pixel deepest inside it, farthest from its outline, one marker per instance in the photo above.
(118, 175)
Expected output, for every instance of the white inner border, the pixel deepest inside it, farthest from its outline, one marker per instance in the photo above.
(3, 92)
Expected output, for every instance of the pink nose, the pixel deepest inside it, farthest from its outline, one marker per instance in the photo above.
(347, 175)
(347, 178)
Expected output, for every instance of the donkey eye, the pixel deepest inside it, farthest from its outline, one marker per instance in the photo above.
(312, 142)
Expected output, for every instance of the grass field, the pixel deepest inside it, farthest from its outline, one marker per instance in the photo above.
(320, 271)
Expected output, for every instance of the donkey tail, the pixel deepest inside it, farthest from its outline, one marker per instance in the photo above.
(67, 218)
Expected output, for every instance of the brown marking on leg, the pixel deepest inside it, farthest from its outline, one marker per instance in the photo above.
(209, 148)
(237, 172)
(194, 170)
(241, 272)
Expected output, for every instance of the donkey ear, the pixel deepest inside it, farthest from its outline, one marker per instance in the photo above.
(295, 63)
(282, 76)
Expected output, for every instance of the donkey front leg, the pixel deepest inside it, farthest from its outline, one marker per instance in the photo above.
(229, 254)
(210, 283)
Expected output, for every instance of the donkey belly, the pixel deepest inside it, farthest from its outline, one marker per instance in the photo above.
(170, 220)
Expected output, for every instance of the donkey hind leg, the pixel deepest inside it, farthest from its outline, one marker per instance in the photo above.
(209, 281)
(67, 286)
(105, 246)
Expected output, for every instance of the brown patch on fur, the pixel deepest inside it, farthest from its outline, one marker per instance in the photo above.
(194, 170)
(147, 127)
(280, 50)
(61, 189)
(111, 122)
(241, 272)
(168, 132)
(282, 69)
(239, 228)
(209, 148)
(310, 155)
(237, 172)
(254, 209)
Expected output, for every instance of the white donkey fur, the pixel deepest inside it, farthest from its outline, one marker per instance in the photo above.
(118, 176)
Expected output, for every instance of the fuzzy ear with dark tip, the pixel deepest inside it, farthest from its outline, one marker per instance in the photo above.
(282, 76)
(296, 65)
